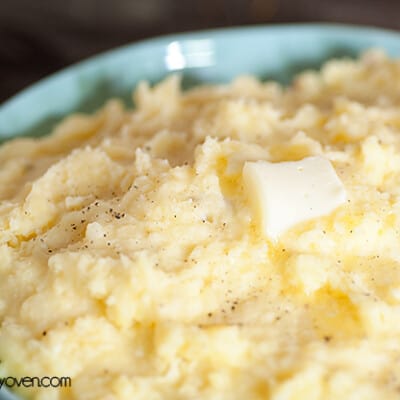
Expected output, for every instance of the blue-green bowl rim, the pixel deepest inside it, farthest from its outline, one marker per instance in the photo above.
(42, 122)
(165, 39)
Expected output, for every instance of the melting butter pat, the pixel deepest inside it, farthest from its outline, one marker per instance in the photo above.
(286, 193)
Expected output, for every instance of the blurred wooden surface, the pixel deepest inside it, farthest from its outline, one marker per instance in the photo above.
(38, 37)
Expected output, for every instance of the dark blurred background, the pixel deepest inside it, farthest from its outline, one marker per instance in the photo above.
(38, 37)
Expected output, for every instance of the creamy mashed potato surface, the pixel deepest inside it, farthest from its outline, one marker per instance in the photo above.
(131, 260)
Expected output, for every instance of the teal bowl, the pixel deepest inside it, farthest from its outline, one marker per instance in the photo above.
(268, 52)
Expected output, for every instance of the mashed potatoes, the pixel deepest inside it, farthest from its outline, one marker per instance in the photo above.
(131, 260)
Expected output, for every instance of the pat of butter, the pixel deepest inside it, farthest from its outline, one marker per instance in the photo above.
(286, 193)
